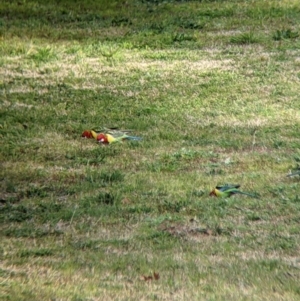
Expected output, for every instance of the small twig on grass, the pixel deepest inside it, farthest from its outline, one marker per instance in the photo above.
(253, 140)
(73, 215)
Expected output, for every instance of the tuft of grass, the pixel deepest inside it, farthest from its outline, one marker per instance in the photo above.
(285, 34)
(42, 55)
(244, 38)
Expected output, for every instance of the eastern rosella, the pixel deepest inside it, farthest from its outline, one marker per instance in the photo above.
(112, 131)
(108, 138)
(227, 191)
(89, 134)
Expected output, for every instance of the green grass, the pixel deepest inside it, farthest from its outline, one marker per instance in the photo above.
(212, 87)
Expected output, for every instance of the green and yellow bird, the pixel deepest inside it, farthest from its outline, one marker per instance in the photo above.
(227, 190)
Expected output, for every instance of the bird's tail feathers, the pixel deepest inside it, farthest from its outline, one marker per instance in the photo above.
(134, 138)
(294, 174)
(249, 194)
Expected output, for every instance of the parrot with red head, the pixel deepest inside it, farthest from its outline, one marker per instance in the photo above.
(109, 135)
(112, 131)
(227, 190)
(89, 134)
(108, 138)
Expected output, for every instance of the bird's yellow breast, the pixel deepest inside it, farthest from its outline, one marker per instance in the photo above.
(110, 138)
(94, 134)
(218, 192)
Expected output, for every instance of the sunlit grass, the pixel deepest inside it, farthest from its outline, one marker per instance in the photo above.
(212, 87)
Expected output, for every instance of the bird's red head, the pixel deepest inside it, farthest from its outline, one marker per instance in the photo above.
(102, 138)
(87, 134)
(213, 193)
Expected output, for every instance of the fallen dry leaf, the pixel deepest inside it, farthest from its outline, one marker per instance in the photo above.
(156, 276)
(125, 201)
(150, 277)
(147, 278)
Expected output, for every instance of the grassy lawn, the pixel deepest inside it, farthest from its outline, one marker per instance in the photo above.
(212, 87)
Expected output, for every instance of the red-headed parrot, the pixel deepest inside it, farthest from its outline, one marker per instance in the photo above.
(89, 134)
(108, 138)
(112, 131)
(227, 191)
